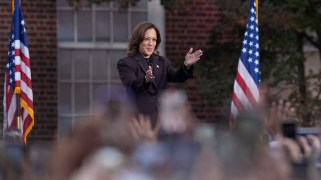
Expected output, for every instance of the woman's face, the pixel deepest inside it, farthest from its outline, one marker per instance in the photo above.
(147, 46)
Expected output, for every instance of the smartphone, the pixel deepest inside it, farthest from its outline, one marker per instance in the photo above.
(172, 111)
(289, 129)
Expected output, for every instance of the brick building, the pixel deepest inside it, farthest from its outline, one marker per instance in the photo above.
(74, 52)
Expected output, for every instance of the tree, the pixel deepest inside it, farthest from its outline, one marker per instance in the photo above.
(168, 4)
(286, 28)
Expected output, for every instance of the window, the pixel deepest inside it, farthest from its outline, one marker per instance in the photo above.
(90, 42)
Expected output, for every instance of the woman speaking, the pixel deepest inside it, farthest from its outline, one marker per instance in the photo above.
(145, 73)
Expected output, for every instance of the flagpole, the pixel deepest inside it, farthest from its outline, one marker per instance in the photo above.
(18, 112)
(257, 9)
(12, 5)
(17, 92)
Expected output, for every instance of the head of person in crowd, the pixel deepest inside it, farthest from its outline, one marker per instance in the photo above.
(248, 128)
(145, 39)
(242, 143)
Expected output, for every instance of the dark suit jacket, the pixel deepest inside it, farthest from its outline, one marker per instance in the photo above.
(144, 95)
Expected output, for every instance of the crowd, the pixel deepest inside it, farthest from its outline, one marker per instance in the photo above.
(117, 144)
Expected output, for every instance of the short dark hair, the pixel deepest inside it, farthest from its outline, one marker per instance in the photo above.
(138, 36)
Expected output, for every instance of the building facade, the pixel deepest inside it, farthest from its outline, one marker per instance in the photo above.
(74, 52)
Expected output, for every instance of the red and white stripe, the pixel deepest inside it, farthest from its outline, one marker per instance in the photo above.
(246, 92)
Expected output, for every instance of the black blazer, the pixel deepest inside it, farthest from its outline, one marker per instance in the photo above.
(144, 95)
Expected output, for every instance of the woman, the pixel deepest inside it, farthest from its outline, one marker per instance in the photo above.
(145, 74)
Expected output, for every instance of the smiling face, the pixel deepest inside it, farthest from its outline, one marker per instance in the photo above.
(147, 46)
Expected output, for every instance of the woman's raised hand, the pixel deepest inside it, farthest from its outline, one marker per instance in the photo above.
(192, 58)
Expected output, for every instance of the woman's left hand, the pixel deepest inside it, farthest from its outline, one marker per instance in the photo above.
(192, 58)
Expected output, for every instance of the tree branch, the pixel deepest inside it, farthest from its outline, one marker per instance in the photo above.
(310, 39)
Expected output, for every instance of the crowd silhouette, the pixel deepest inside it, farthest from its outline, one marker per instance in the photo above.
(118, 144)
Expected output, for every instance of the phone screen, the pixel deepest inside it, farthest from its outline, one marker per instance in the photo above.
(289, 129)
(172, 111)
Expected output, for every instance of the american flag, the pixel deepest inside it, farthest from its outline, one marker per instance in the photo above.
(18, 79)
(246, 91)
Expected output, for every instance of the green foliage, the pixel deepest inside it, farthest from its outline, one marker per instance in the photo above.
(285, 27)
(170, 5)
(173, 5)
